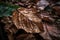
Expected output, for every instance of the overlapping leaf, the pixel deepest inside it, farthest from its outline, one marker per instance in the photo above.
(7, 9)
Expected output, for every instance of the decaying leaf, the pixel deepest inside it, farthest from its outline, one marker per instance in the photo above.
(28, 20)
